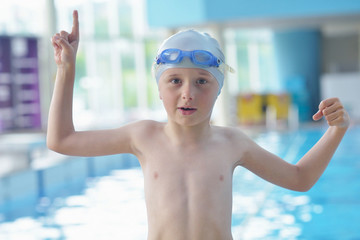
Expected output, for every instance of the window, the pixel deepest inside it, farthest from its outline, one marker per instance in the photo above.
(113, 78)
(254, 60)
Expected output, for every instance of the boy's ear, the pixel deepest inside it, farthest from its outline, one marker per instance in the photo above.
(160, 96)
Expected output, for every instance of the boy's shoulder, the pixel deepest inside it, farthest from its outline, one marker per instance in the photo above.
(143, 131)
(146, 127)
(147, 123)
(232, 135)
(229, 132)
(234, 142)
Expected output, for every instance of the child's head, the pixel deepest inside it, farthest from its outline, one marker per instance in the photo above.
(191, 49)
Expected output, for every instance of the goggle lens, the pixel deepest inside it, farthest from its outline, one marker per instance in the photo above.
(203, 57)
(170, 55)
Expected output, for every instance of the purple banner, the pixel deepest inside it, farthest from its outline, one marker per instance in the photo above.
(6, 104)
(19, 84)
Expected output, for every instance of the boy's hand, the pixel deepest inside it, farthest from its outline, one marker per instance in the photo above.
(66, 45)
(334, 113)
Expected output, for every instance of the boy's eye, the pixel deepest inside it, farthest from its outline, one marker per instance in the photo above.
(175, 81)
(201, 81)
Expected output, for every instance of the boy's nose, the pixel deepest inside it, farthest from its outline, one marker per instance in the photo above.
(187, 97)
(187, 93)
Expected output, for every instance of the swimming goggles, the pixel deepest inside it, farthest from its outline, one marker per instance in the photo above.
(198, 57)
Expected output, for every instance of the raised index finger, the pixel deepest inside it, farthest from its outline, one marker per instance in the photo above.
(75, 27)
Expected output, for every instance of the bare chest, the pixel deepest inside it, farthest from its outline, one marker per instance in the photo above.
(191, 186)
(183, 176)
(205, 163)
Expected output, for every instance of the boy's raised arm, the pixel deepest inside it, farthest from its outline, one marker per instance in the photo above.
(61, 135)
(313, 164)
(60, 122)
(305, 173)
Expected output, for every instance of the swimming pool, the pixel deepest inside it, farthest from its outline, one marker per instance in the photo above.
(328, 211)
(112, 206)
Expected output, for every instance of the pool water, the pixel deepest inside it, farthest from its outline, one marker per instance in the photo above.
(112, 206)
(328, 211)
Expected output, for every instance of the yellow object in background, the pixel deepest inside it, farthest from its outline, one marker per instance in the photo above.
(281, 103)
(250, 108)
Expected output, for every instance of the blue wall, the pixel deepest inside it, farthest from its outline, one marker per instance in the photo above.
(245, 9)
(297, 54)
(174, 13)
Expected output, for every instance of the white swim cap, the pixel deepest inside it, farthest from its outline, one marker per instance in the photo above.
(190, 40)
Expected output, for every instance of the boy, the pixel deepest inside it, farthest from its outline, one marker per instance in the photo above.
(187, 163)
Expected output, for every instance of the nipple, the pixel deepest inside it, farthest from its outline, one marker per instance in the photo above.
(156, 175)
(221, 178)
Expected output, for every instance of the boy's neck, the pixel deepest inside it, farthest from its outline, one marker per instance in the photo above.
(185, 135)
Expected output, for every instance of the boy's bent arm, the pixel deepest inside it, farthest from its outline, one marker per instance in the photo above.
(314, 162)
(61, 135)
(304, 174)
(60, 122)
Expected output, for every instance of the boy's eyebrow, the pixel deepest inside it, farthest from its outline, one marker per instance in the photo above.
(206, 73)
(173, 75)
(201, 72)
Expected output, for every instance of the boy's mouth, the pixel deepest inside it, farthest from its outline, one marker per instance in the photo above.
(187, 110)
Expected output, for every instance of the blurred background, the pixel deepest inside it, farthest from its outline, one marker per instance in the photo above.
(288, 55)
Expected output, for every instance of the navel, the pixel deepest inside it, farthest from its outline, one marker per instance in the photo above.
(156, 175)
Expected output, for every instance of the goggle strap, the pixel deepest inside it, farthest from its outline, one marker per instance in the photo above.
(226, 68)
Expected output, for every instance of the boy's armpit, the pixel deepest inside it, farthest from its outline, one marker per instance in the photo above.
(141, 133)
(240, 145)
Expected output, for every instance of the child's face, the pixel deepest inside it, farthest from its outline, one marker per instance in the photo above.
(188, 95)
